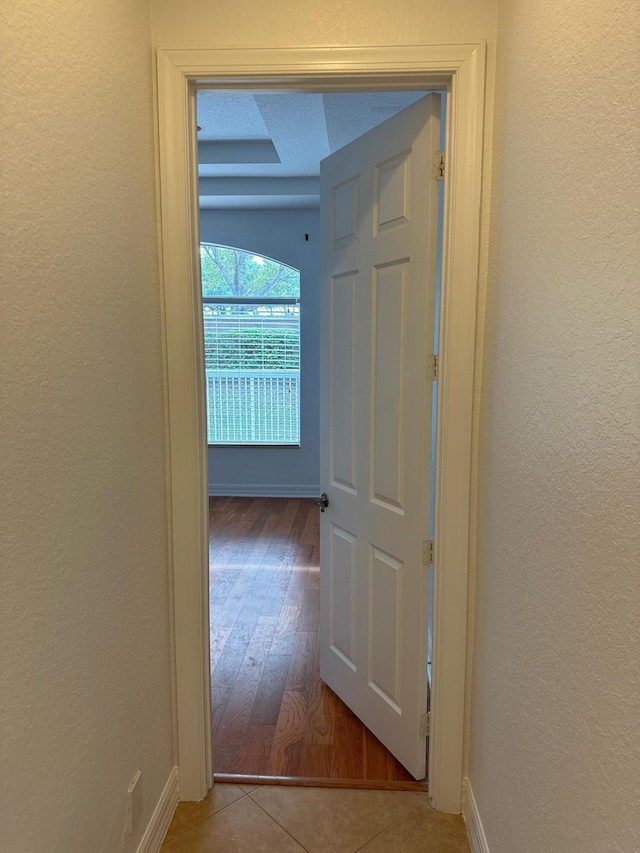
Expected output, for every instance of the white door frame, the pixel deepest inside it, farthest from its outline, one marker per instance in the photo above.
(460, 70)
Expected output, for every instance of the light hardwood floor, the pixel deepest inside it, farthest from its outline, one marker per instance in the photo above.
(273, 716)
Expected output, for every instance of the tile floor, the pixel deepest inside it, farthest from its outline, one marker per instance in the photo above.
(275, 819)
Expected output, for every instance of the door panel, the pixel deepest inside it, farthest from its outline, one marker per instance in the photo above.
(378, 235)
(392, 192)
(344, 212)
(387, 434)
(342, 381)
(342, 624)
(385, 612)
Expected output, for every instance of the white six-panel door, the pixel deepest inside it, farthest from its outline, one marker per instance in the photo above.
(378, 236)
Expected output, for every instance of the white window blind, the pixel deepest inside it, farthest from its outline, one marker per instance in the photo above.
(252, 358)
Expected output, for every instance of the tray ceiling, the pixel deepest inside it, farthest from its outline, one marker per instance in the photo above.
(264, 151)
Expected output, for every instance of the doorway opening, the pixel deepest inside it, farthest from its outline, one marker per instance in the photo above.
(461, 70)
(259, 199)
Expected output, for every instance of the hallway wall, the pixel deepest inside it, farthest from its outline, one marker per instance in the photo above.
(84, 609)
(225, 24)
(555, 740)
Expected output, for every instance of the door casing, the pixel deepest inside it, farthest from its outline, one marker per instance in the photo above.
(459, 70)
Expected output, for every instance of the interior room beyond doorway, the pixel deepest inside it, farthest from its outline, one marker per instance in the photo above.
(273, 716)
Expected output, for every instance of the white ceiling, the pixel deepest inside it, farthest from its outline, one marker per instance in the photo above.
(296, 130)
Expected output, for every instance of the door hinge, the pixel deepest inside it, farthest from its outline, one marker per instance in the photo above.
(432, 368)
(437, 166)
(427, 552)
(425, 724)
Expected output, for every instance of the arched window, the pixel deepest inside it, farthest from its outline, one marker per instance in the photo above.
(251, 318)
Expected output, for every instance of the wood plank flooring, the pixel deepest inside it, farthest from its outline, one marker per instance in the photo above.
(272, 715)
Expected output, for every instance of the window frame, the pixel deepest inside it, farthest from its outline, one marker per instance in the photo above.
(257, 301)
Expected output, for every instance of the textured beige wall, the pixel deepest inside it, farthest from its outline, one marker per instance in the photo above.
(285, 23)
(555, 732)
(84, 647)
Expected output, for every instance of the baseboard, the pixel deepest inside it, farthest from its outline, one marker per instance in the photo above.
(475, 831)
(262, 490)
(161, 818)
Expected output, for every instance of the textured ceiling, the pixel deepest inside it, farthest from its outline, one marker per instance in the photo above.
(303, 129)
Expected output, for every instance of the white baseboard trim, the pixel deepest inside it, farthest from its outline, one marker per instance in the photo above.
(262, 490)
(161, 818)
(475, 831)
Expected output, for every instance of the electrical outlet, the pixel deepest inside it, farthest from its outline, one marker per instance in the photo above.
(134, 802)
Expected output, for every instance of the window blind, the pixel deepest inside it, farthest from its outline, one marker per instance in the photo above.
(252, 360)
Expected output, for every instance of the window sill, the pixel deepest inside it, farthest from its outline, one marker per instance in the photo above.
(245, 445)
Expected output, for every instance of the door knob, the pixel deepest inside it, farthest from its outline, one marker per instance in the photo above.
(322, 501)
